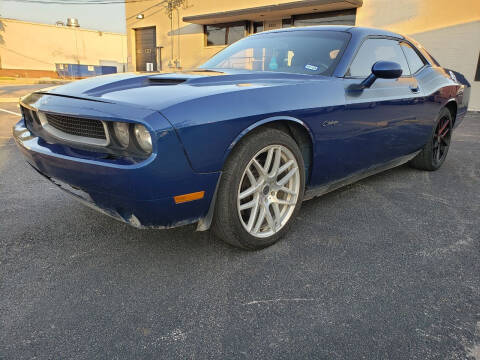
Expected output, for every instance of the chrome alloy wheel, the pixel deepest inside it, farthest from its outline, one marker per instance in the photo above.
(268, 191)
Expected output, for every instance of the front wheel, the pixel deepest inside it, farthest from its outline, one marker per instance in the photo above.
(261, 190)
(435, 151)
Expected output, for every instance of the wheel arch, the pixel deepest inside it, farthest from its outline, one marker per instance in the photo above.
(452, 106)
(297, 129)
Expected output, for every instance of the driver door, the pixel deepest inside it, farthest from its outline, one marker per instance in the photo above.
(380, 120)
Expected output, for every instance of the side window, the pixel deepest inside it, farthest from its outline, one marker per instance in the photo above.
(414, 61)
(374, 50)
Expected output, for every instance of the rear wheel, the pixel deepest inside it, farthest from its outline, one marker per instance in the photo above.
(435, 151)
(261, 190)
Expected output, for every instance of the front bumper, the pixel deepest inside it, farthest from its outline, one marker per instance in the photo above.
(140, 194)
(125, 211)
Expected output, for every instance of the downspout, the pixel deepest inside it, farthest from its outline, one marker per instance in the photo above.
(178, 37)
(171, 40)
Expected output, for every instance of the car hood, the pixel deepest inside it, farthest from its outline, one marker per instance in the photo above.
(161, 91)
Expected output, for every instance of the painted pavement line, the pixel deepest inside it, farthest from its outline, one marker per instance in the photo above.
(11, 112)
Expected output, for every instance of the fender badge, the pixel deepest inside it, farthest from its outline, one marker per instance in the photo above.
(330, 123)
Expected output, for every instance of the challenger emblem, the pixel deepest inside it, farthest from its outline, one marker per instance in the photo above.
(330, 123)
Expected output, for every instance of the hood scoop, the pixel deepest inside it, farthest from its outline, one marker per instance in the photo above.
(166, 81)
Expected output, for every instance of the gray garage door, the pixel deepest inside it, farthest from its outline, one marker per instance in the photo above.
(145, 44)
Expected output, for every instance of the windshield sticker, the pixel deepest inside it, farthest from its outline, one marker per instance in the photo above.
(311, 67)
(273, 65)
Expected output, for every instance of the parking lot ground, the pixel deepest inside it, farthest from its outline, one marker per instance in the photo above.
(387, 268)
(18, 90)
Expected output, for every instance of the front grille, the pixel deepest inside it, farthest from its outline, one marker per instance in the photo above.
(77, 126)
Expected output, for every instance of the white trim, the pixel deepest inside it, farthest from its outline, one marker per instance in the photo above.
(11, 112)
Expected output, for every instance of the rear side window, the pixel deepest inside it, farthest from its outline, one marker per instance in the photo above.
(414, 61)
(373, 50)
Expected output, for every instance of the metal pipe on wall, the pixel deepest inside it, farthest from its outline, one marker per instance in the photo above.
(178, 37)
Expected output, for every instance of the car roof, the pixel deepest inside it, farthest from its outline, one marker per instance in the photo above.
(357, 30)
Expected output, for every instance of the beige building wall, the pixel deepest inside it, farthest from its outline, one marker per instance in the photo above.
(450, 30)
(192, 50)
(34, 46)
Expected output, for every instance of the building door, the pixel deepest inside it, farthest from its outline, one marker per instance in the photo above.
(146, 45)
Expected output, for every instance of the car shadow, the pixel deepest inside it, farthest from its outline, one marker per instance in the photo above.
(186, 238)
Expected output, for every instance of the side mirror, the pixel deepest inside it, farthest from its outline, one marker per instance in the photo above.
(383, 70)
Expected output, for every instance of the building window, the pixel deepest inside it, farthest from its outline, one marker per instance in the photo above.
(342, 17)
(286, 23)
(258, 27)
(224, 34)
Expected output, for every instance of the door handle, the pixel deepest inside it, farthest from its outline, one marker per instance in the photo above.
(414, 89)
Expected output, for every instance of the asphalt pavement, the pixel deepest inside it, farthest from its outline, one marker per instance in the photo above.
(13, 90)
(387, 268)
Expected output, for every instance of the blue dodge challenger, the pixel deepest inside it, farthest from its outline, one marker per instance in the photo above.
(238, 143)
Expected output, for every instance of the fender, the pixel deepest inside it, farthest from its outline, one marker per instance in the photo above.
(205, 222)
(263, 122)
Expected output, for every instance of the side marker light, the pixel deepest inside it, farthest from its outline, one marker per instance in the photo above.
(189, 197)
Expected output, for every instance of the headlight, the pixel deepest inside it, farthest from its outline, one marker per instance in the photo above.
(121, 133)
(143, 138)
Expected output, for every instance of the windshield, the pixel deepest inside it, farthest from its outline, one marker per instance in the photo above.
(300, 52)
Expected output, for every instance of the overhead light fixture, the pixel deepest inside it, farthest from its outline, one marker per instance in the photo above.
(140, 16)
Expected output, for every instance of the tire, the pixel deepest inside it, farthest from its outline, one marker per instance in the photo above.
(435, 151)
(238, 217)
